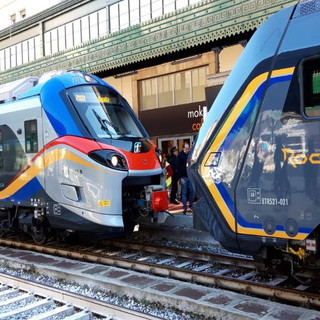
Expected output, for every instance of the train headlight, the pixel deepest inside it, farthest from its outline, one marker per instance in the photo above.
(111, 159)
(114, 161)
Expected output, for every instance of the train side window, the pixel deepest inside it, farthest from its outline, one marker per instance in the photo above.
(31, 136)
(311, 87)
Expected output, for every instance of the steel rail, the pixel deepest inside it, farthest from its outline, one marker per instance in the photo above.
(238, 260)
(97, 307)
(219, 279)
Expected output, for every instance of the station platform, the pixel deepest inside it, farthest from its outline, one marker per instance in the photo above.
(177, 227)
(176, 208)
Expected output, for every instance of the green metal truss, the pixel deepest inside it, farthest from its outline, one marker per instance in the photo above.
(204, 22)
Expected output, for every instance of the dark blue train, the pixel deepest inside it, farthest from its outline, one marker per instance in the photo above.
(256, 161)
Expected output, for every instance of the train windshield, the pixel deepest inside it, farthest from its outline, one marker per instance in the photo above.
(104, 112)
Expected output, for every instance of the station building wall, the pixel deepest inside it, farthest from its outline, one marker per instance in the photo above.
(174, 124)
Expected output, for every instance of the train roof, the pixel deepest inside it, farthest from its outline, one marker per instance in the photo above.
(13, 90)
(67, 78)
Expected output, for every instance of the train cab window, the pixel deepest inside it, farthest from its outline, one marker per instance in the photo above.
(104, 112)
(311, 87)
(31, 136)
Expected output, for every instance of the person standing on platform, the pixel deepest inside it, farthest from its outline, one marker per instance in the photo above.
(172, 159)
(169, 171)
(187, 192)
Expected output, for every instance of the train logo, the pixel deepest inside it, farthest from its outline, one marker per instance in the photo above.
(295, 159)
(137, 147)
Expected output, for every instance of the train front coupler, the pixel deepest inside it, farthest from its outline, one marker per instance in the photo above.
(156, 197)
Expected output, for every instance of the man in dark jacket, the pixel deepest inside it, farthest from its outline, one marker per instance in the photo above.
(187, 192)
(172, 159)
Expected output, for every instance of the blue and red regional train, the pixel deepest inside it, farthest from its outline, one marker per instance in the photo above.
(74, 158)
(255, 164)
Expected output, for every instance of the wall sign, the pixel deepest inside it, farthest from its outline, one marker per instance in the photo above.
(181, 119)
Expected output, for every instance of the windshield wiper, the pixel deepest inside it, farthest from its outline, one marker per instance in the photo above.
(117, 130)
(104, 127)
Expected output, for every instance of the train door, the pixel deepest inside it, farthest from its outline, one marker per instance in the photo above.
(10, 151)
(33, 130)
(19, 143)
(20, 132)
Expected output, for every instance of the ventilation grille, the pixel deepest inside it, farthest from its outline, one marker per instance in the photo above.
(306, 7)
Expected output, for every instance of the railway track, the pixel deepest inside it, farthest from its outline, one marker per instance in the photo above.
(23, 299)
(238, 274)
